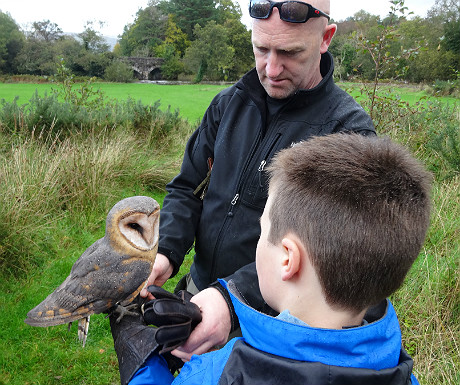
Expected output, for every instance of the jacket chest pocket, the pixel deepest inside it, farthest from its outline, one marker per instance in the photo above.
(255, 191)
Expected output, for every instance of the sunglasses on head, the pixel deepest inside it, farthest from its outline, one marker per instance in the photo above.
(291, 11)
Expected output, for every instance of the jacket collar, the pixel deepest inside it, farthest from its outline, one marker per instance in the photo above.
(251, 84)
(376, 345)
(250, 81)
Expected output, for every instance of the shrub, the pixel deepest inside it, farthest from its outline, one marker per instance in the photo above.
(50, 116)
(119, 72)
(444, 140)
(67, 154)
(445, 87)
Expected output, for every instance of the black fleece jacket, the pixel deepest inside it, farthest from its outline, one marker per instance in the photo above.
(238, 139)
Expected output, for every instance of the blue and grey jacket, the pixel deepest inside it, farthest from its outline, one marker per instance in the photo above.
(273, 351)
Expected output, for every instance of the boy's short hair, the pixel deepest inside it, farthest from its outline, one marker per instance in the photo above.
(360, 205)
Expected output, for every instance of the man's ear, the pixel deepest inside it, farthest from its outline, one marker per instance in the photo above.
(329, 32)
(291, 258)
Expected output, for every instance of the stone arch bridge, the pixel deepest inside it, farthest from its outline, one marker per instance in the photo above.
(145, 68)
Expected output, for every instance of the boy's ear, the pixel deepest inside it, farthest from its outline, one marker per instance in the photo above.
(290, 264)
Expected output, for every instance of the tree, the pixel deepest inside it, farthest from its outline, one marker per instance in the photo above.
(441, 31)
(451, 41)
(43, 46)
(227, 10)
(239, 38)
(11, 43)
(148, 30)
(176, 37)
(172, 50)
(210, 56)
(189, 13)
(444, 11)
(365, 20)
(451, 28)
(172, 65)
(46, 31)
(385, 59)
(350, 61)
(382, 44)
(38, 54)
(344, 53)
(36, 58)
(93, 40)
(91, 64)
(117, 50)
(420, 32)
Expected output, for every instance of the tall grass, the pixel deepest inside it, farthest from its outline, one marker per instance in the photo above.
(27, 177)
(428, 304)
(50, 173)
(60, 177)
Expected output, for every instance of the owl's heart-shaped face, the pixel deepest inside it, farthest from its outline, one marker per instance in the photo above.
(141, 229)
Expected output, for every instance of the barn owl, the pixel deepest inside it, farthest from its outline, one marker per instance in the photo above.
(110, 273)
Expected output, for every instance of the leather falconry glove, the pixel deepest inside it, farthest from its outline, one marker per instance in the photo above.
(173, 317)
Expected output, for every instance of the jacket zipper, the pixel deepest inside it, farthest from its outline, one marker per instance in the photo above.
(234, 201)
(261, 169)
(263, 163)
(232, 205)
(236, 197)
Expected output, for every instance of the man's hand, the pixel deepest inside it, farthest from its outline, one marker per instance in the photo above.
(162, 270)
(214, 328)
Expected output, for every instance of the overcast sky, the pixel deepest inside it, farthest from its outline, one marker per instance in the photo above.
(116, 14)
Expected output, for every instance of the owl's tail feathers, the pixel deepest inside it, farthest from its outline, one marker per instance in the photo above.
(45, 316)
(49, 313)
(83, 325)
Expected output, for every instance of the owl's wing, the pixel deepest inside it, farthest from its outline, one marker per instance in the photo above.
(99, 279)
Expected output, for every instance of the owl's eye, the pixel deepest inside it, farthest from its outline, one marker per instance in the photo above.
(135, 226)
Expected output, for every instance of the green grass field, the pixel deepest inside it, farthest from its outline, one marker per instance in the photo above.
(191, 100)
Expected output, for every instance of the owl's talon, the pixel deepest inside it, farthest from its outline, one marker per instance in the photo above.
(125, 311)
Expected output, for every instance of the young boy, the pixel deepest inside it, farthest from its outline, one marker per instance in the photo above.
(345, 219)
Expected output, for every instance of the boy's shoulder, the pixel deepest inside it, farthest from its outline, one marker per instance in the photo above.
(274, 349)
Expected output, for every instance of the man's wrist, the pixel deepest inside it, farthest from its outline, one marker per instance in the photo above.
(235, 324)
(173, 259)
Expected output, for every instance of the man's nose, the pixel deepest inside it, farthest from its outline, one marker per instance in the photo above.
(274, 66)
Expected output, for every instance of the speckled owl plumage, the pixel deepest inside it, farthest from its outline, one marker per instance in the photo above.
(112, 271)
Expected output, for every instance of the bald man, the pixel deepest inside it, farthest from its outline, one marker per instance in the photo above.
(216, 200)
